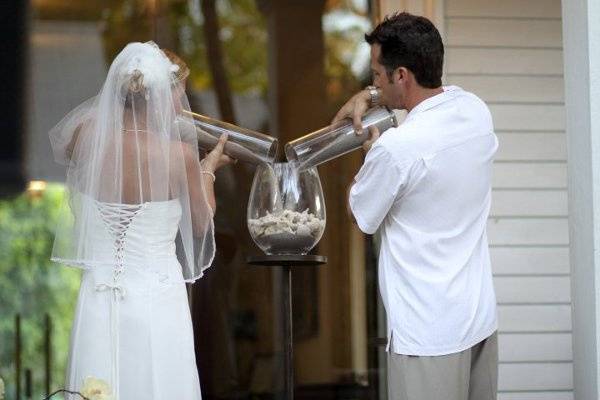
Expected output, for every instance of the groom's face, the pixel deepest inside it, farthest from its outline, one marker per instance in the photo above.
(391, 85)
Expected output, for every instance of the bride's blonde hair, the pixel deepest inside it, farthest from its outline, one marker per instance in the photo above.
(135, 86)
(183, 71)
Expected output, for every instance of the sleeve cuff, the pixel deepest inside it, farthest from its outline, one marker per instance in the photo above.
(363, 225)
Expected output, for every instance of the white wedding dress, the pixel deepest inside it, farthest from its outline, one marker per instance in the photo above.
(132, 325)
(132, 331)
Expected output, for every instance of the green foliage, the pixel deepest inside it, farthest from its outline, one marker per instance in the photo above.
(33, 286)
(243, 36)
(244, 41)
(344, 27)
(124, 22)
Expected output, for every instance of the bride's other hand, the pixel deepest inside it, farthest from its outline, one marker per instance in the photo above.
(215, 159)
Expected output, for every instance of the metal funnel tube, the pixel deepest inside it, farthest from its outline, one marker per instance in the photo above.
(338, 139)
(242, 144)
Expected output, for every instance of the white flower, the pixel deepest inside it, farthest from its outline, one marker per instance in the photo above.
(96, 389)
(148, 60)
(1, 389)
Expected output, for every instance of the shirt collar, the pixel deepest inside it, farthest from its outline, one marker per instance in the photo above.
(449, 93)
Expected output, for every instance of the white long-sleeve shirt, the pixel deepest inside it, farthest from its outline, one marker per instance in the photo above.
(426, 186)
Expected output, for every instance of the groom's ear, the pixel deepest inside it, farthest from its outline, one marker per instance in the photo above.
(401, 75)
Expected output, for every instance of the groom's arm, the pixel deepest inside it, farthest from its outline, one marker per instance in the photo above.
(376, 187)
(373, 136)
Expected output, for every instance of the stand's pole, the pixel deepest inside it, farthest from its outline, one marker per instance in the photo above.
(288, 340)
(47, 352)
(18, 356)
(284, 280)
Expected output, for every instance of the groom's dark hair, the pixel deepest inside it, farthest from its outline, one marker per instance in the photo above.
(412, 42)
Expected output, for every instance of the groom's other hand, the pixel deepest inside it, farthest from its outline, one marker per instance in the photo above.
(354, 108)
(373, 136)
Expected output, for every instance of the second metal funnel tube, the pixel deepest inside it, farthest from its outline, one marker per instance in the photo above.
(308, 151)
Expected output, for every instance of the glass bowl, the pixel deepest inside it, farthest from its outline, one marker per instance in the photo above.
(286, 210)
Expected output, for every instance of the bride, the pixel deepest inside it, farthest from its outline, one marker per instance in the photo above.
(139, 222)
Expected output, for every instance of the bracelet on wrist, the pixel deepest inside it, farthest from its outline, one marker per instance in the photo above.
(203, 171)
(207, 172)
(375, 96)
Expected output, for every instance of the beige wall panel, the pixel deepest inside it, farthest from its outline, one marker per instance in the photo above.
(534, 318)
(525, 89)
(557, 395)
(489, 61)
(528, 117)
(504, 8)
(530, 175)
(531, 146)
(541, 376)
(529, 203)
(537, 289)
(504, 33)
(529, 260)
(528, 231)
(523, 347)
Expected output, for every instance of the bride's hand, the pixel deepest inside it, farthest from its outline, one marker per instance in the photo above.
(216, 158)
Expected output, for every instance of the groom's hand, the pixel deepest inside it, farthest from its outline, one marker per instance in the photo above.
(373, 136)
(354, 108)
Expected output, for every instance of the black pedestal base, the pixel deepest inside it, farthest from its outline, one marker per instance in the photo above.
(287, 263)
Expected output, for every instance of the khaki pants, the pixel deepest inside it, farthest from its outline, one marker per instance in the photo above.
(471, 374)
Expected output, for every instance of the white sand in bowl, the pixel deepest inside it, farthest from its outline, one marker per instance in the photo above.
(286, 231)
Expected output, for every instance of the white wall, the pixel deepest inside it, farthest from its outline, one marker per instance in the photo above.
(509, 52)
(66, 67)
(581, 30)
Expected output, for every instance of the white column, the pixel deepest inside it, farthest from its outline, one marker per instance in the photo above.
(581, 36)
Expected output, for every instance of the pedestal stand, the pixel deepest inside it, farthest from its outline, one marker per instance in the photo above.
(287, 263)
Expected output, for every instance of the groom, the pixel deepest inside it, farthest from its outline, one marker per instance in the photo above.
(425, 186)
